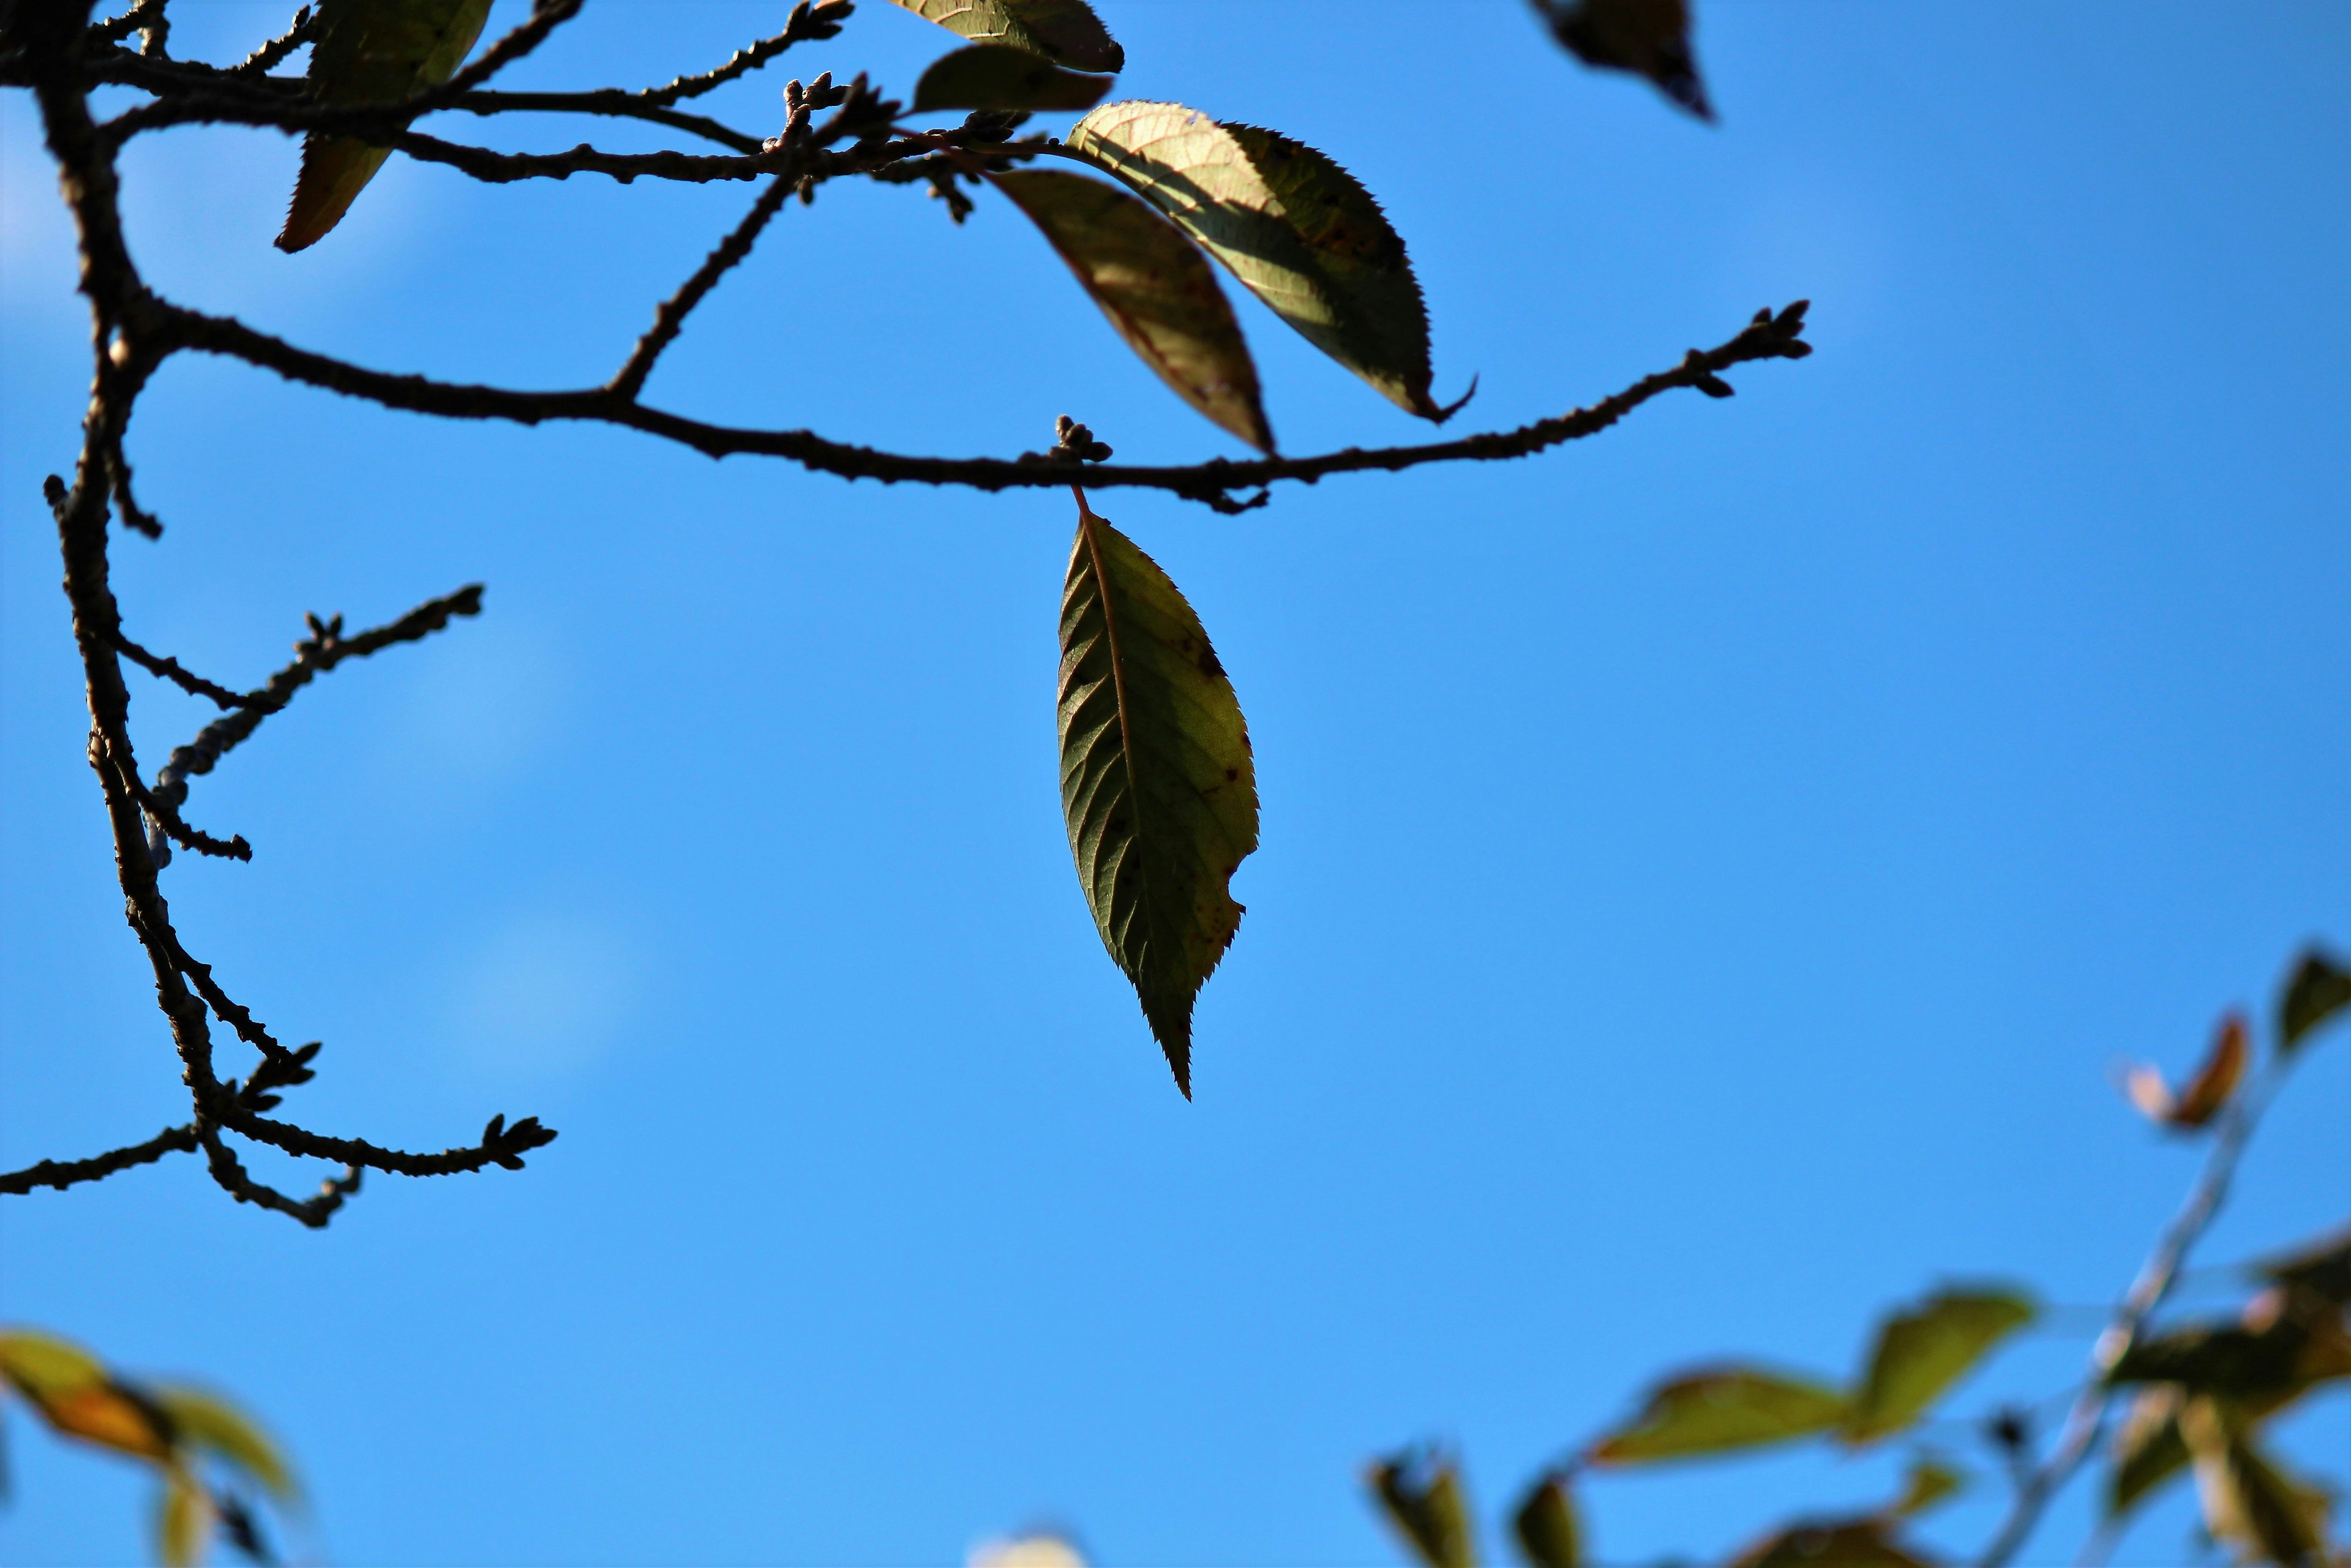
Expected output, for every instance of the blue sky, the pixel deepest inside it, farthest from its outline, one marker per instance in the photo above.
(1708, 873)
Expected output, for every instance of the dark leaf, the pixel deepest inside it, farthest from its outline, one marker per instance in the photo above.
(1157, 786)
(1156, 289)
(1295, 227)
(1712, 1412)
(2322, 1268)
(1830, 1543)
(2247, 1501)
(1648, 37)
(2319, 988)
(1066, 31)
(998, 77)
(1420, 1493)
(2288, 1341)
(1920, 1353)
(1546, 1528)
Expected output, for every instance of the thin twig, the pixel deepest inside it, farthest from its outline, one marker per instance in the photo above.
(613, 102)
(807, 24)
(259, 62)
(670, 319)
(545, 18)
(186, 680)
(63, 1173)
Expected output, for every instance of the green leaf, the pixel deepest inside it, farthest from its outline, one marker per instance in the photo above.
(1546, 1524)
(1291, 224)
(207, 1422)
(996, 75)
(1066, 31)
(71, 1390)
(2248, 1500)
(1420, 1492)
(1920, 1353)
(182, 1522)
(1648, 37)
(2319, 988)
(1156, 288)
(1929, 1483)
(370, 51)
(1714, 1412)
(1830, 1544)
(1157, 786)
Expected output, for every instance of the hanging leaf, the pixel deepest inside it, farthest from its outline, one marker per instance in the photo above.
(1546, 1524)
(1816, 1543)
(1157, 786)
(1420, 1492)
(1291, 224)
(1921, 1354)
(370, 51)
(1066, 31)
(184, 1522)
(996, 75)
(2247, 1501)
(1648, 37)
(1713, 1412)
(206, 1422)
(1156, 288)
(71, 1390)
(2318, 990)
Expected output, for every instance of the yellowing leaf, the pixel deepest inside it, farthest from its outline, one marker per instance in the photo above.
(1420, 1493)
(1828, 1543)
(40, 1364)
(1156, 289)
(1713, 1412)
(1157, 786)
(1291, 224)
(71, 1390)
(996, 75)
(205, 1421)
(2319, 988)
(370, 51)
(1546, 1527)
(184, 1522)
(1921, 1354)
(2202, 1096)
(1066, 31)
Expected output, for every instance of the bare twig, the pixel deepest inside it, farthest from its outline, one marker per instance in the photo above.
(261, 61)
(670, 319)
(63, 1173)
(186, 680)
(807, 24)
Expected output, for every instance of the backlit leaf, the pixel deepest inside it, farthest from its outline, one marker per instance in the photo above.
(1157, 787)
(1291, 224)
(996, 75)
(206, 1422)
(1420, 1493)
(71, 1390)
(1712, 1412)
(370, 51)
(1830, 1544)
(2247, 1501)
(2202, 1096)
(184, 1522)
(1066, 31)
(1920, 1353)
(1546, 1527)
(1156, 289)
(1647, 38)
(2319, 988)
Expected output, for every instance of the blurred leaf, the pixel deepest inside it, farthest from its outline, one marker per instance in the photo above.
(1648, 37)
(1159, 789)
(2247, 1501)
(370, 51)
(206, 1422)
(40, 1364)
(1930, 1482)
(1156, 289)
(184, 1522)
(2202, 1096)
(1546, 1527)
(2322, 1267)
(1064, 30)
(1713, 1412)
(1920, 1353)
(2319, 988)
(1420, 1492)
(2148, 1448)
(1028, 1552)
(1830, 1544)
(2288, 1343)
(995, 75)
(1291, 224)
(71, 1390)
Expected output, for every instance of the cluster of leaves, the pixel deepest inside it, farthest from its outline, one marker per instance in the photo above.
(210, 1460)
(2197, 1393)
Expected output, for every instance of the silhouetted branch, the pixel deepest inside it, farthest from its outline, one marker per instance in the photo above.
(671, 317)
(262, 59)
(807, 24)
(186, 680)
(63, 1173)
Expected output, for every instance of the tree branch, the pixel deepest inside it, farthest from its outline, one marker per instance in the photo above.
(670, 319)
(63, 1173)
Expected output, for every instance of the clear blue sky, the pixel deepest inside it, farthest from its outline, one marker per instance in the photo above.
(1708, 873)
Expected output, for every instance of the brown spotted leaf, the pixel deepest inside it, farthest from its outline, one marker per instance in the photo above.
(1157, 788)
(1064, 31)
(1155, 287)
(1298, 230)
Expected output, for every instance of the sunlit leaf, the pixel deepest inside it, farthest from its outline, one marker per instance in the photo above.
(1712, 1412)
(2249, 1503)
(1546, 1528)
(1420, 1493)
(1848, 1543)
(2322, 1268)
(996, 75)
(1920, 1353)
(1157, 786)
(1929, 1482)
(204, 1421)
(1156, 289)
(40, 1364)
(2319, 988)
(370, 51)
(72, 1391)
(184, 1522)
(2201, 1097)
(1647, 38)
(1067, 31)
(1291, 224)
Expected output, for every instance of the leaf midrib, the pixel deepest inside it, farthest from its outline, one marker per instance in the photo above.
(1086, 521)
